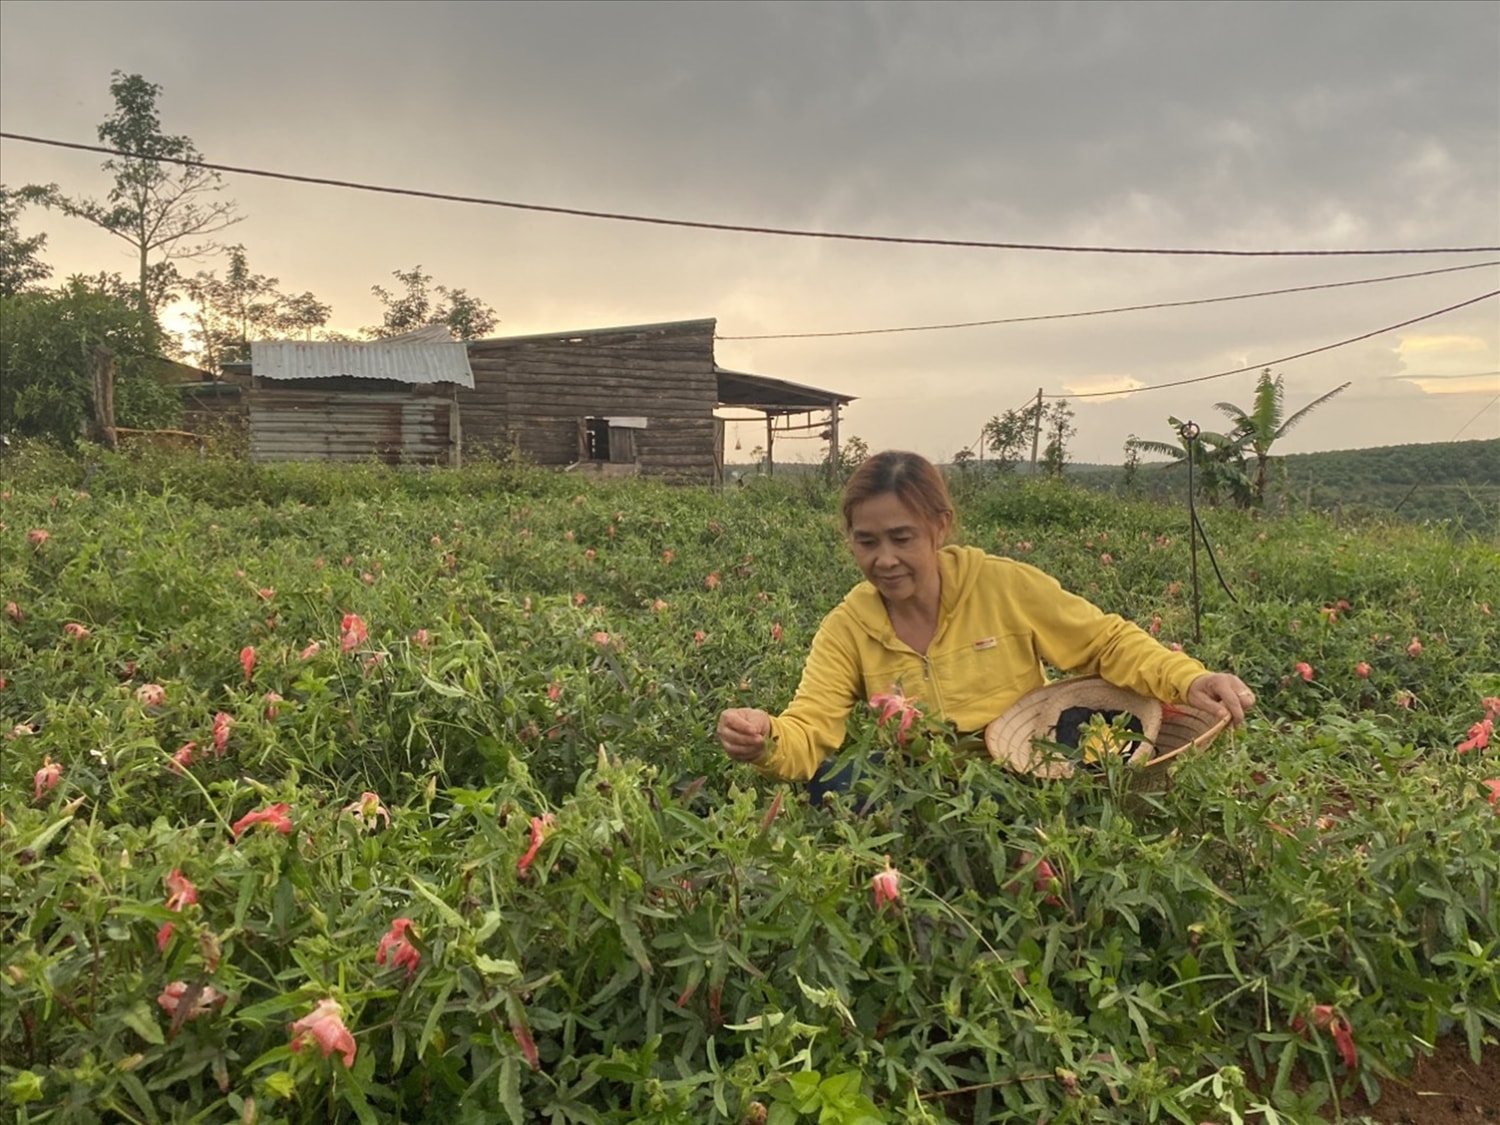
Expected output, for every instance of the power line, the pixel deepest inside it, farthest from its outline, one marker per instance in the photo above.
(1104, 312)
(739, 228)
(1286, 358)
(1474, 419)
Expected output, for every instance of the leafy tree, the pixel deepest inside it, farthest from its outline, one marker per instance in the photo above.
(160, 209)
(468, 318)
(1009, 435)
(1058, 419)
(853, 452)
(47, 343)
(21, 266)
(242, 306)
(1218, 460)
(1266, 423)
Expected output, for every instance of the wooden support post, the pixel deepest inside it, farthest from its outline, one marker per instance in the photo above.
(455, 433)
(833, 443)
(104, 397)
(1036, 433)
(770, 437)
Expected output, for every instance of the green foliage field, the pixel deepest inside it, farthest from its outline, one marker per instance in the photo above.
(608, 923)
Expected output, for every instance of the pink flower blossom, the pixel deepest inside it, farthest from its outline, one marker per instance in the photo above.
(1155, 624)
(1414, 648)
(265, 593)
(310, 651)
(354, 632)
(208, 997)
(1045, 880)
(554, 691)
(1405, 699)
(180, 890)
(1491, 705)
(151, 695)
(13, 611)
(886, 886)
(184, 757)
(658, 605)
(699, 636)
(76, 631)
(324, 1025)
(1493, 785)
(395, 946)
(272, 699)
(421, 638)
(368, 809)
(46, 778)
(894, 705)
(275, 816)
(601, 638)
(1107, 559)
(589, 554)
(1362, 670)
(776, 631)
(1305, 670)
(367, 578)
(1479, 736)
(712, 581)
(541, 828)
(37, 537)
(247, 661)
(579, 599)
(373, 661)
(222, 723)
(668, 555)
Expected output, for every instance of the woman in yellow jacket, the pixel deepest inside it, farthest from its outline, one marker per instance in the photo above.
(958, 631)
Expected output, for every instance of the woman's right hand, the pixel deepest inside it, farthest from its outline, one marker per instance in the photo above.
(743, 732)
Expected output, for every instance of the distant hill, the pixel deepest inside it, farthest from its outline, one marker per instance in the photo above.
(1456, 481)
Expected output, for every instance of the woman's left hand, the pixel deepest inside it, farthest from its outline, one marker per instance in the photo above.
(1221, 693)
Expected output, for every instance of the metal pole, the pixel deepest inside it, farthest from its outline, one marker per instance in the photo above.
(1036, 433)
(1189, 433)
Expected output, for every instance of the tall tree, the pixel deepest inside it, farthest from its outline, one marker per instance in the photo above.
(1217, 459)
(467, 317)
(1058, 419)
(1266, 423)
(230, 312)
(1008, 435)
(21, 265)
(165, 210)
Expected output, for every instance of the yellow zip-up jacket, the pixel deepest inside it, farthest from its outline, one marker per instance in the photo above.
(998, 620)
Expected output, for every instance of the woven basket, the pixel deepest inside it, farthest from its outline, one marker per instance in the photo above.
(1167, 731)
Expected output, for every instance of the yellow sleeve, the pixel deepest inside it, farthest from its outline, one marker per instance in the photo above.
(812, 728)
(1075, 635)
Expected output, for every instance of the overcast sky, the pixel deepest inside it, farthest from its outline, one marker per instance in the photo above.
(1246, 126)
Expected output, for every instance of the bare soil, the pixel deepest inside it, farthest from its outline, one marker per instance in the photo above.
(1444, 1088)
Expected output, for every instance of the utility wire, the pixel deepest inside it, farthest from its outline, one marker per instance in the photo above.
(1474, 419)
(1105, 312)
(786, 232)
(1285, 358)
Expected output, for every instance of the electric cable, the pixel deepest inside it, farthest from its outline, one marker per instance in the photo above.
(1105, 312)
(1285, 358)
(740, 228)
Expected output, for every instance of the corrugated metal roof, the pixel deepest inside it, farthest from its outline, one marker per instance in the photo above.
(399, 360)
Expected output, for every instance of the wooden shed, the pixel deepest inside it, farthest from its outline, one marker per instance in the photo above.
(394, 400)
(634, 400)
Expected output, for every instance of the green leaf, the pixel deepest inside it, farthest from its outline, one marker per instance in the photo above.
(140, 1019)
(451, 916)
(510, 1090)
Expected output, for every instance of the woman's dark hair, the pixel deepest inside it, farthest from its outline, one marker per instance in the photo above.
(913, 479)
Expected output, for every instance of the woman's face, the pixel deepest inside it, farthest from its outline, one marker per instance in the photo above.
(896, 549)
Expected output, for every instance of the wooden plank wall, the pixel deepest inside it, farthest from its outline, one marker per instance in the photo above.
(530, 393)
(305, 425)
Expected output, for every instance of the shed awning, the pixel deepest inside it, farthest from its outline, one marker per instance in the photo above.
(773, 396)
(399, 360)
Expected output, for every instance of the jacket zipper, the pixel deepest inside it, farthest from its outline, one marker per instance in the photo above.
(937, 696)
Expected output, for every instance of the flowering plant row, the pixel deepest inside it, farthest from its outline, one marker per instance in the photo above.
(385, 796)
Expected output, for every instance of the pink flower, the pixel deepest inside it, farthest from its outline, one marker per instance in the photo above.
(1479, 736)
(310, 651)
(373, 661)
(184, 757)
(37, 537)
(658, 605)
(394, 944)
(367, 578)
(894, 705)
(151, 695)
(325, 1026)
(247, 661)
(1414, 648)
(541, 828)
(1305, 670)
(1155, 624)
(1107, 559)
(601, 638)
(1491, 705)
(712, 581)
(1493, 785)
(554, 691)
(1405, 699)
(273, 815)
(208, 997)
(272, 699)
(699, 636)
(180, 890)
(75, 630)
(46, 779)
(354, 632)
(368, 809)
(421, 638)
(1045, 881)
(589, 554)
(579, 599)
(526, 1042)
(668, 555)
(13, 611)
(1362, 670)
(265, 593)
(222, 723)
(886, 886)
